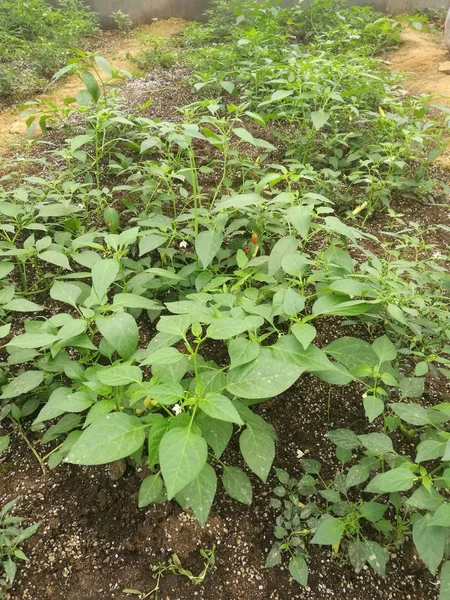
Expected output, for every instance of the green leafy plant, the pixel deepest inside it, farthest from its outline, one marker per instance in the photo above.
(123, 22)
(12, 537)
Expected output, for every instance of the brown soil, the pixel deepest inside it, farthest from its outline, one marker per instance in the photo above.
(118, 53)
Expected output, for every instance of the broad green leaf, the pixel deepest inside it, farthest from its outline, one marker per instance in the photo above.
(109, 438)
(344, 438)
(284, 246)
(412, 387)
(216, 433)
(373, 407)
(329, 531)
(299, 569)
(5, 269)
(351, 352)
(444, 591)
(395, 480)
(22, 384)
(242, 351)
(99, 409)
(441, 517)
(228, 327)
(120, 375)
(429, 450)
(135, 301)
(356, 475)
(384, 349)
(300, 217)
(65, 292)
(5, 329)
(304, 334)
(22, 305)
(104, 272)
(237, 485)
(426, 499)
(429, 541)
(258, 450)
(167, 393)
(373, 511)
(33, 340)
(4, 443)
(182, 455)
(414, 414)
(357, 554)
(72, 329)
(151, 490)
(103, 64)
(199, 494)
(176, 325)
(264, 377)
(121, 332)
(55, 258)
(378, 443)
(377, 557)
(320, 118)
(218, 406)
(150, 242)
(155, 435)
(64, 400)
(207, 245)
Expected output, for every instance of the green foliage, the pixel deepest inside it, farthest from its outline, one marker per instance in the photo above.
(12, 537)
(123, 21)
(36, 39)
(155, 52)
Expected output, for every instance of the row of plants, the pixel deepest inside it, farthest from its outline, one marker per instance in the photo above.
(36, 39)
(174, 275)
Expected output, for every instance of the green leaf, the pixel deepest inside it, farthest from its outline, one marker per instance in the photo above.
(176, 325)
(444, 592)
(199, 494)
(33, 340)
(22, 305)
(63, 400)
(320, 118)
(258, 450)
(237, 484)
(264, 377)
(304, 333)
(441, 517)
(329, 531)
(429, 542)
(4, 443)
(104, 272)
(151, 490)
(384, 349)
(344, 438)
(65, 292)
(429, 450)
(167, 393)
(216, 433)
(5, 269)
(426, 499)
(182, 455)
(24, 383)
(352, 352)
(378, 443)
(155, 435)
(219, 407)
(228, 327)
(135, 301)
(356, 475)
(109, 438)
(55, 258)
(242, 351)
(150, 242)
(373, 511)
(103, 64)
(412, 387)
(284, 246)
(397, 313)
(121, 332)
(299, 569)
(91, 85)
(377, 557)
(207, 245)
(395, 480)
(120, 375)
(373, 407)
(5, 329)
(414, 414)
(357, 554)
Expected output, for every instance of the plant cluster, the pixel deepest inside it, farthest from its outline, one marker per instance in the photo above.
(12, 537)
(123, 21)
(174, 275)
(36, 39)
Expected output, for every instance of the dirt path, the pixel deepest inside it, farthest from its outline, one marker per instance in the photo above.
(12, 125)
(419, 57)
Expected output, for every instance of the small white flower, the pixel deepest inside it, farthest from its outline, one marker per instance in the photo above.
(437, 254)
(183, 244)
(177, 409)
(364, 395)
(300, 454)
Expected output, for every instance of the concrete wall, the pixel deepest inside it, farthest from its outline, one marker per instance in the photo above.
(143, 11)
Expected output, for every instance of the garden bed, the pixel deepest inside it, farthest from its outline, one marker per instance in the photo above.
(264, 176)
